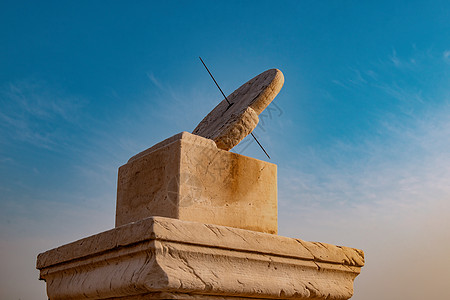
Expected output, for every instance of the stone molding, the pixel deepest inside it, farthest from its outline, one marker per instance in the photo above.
(163, 258)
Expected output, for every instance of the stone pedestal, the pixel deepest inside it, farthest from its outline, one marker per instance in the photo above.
(164, 258)
(187, 177)
(197, 222)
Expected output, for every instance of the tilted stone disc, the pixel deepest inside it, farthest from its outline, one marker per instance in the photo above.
(228, 124)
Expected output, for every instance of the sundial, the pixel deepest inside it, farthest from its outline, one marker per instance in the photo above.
(236, 116)
(196, 222)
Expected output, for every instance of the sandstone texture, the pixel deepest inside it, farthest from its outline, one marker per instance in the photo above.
(187, 177)
(163, 258)
(228, 124)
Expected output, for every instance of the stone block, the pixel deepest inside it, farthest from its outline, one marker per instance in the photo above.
(162, 258)
(187, 177)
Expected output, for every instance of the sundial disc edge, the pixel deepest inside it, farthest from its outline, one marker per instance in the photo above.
(226, 124)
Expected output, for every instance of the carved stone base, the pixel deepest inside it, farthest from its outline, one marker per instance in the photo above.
(187, 177)
(163, 258)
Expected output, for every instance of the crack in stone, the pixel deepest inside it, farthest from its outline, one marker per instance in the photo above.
(237, 234)
(307, 249)
(194, 272)
(215, 230)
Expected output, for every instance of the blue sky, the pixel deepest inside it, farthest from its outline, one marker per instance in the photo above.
(359, 131)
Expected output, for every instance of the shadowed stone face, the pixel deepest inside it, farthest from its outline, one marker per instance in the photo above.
(228, 124)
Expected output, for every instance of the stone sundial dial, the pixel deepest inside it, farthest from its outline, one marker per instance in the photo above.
(236, 116)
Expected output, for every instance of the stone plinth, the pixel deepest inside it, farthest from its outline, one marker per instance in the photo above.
(162, 258)
(187, 177)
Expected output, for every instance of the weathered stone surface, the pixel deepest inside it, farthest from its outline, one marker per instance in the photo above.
(188, 178)
(162, 258)
(228, 125)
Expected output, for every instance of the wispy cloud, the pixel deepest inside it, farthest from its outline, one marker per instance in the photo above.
(155, 81)
(402, 94)
(357, 78)
(183, 106)
(410, 157)
(394, 58)
(33, 113)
